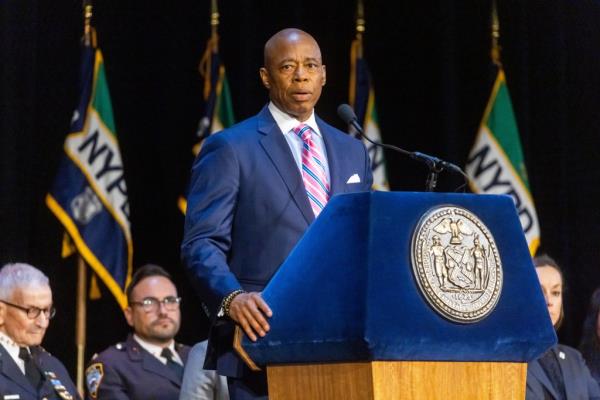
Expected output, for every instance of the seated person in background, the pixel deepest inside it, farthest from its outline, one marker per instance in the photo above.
(149, 364)
(27, 371)
(560, 373)
(590, 338)
(199, 383)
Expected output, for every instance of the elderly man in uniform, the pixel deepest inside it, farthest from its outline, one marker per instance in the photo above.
(149, 364)
(27, 371)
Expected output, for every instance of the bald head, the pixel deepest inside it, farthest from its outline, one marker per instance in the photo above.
(293, 72)
(284, 37)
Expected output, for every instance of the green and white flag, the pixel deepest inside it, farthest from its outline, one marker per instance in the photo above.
(218, 112)
(362, 99)
(496, 164)
(89, 195)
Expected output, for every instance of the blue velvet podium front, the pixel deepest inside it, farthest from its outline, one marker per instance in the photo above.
(347, 292)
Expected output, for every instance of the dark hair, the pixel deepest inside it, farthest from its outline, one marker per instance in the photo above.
(590, 343)
(544, 260)
(144, 272)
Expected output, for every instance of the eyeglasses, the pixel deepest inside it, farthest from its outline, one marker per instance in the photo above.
(33, 312)
(152, 304)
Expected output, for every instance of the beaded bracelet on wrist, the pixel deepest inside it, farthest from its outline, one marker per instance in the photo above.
(227, 301)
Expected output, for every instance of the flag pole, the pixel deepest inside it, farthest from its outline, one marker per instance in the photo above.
(81, 311)
(212, 46)
(214, 22)
(360, 25)
(496, 49)
(80, 328)
(356, 50)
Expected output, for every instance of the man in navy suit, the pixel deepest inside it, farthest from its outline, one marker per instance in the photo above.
(251, 199)
(27, 371)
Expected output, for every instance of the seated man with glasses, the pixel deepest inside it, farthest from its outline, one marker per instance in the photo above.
(27, 371)
(149, 364)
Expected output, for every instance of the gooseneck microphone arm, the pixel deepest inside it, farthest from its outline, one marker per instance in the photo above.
(435, 165)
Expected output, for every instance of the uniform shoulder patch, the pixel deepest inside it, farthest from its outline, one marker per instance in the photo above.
(93, 377)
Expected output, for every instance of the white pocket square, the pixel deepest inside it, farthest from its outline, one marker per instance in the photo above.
(354, 179)
(11, 397)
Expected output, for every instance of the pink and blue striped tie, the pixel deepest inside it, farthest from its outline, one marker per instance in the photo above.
(313, 172)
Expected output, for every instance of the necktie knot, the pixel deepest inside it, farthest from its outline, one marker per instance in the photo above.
(32, 373)
(24, 354)
(304, 131)
(171, 363)
(167, 353)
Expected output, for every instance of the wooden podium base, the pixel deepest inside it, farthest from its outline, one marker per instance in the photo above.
(389, 380)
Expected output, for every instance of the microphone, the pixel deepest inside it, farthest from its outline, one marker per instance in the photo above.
(436, 165)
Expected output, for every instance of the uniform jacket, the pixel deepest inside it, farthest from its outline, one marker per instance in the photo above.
(579, 384)
(14, 384)
(128, 372)
(247, 209)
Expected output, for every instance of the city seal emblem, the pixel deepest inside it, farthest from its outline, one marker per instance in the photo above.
(456, 264)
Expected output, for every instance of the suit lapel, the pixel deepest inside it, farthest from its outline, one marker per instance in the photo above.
(568, 373)
(149, 362)
(536, 370)
(281, 156)
(11, 370)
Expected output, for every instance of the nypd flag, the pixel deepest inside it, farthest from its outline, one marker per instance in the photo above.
(89, 195)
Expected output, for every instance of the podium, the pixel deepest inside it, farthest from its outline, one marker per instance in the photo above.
(405, 295)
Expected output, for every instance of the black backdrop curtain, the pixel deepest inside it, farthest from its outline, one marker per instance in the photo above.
(432, 75)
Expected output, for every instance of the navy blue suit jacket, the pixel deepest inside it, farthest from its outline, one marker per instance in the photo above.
(14, 382)
(579, 383)
(129, 372)
(247, 209)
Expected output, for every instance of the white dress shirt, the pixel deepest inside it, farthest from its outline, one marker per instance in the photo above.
(287, 123)
(156, 350)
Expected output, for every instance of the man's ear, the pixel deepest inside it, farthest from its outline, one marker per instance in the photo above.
(324, 76)
(264, 77)
(129, 316)
(2, 313)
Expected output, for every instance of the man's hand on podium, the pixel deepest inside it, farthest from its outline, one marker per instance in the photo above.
(250, 312)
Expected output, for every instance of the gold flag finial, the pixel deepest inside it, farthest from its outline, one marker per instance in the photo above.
(87, 22)
(356, 50)
(214, 18)
(495, 51)
(360, 25)
(360, 18)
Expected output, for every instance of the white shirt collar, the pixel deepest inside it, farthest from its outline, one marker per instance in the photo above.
(286, 122)
(156, 350)
(13, 349)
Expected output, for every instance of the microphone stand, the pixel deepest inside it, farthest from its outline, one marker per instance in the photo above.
(435, 164)
(432, 176)
(435, 167)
